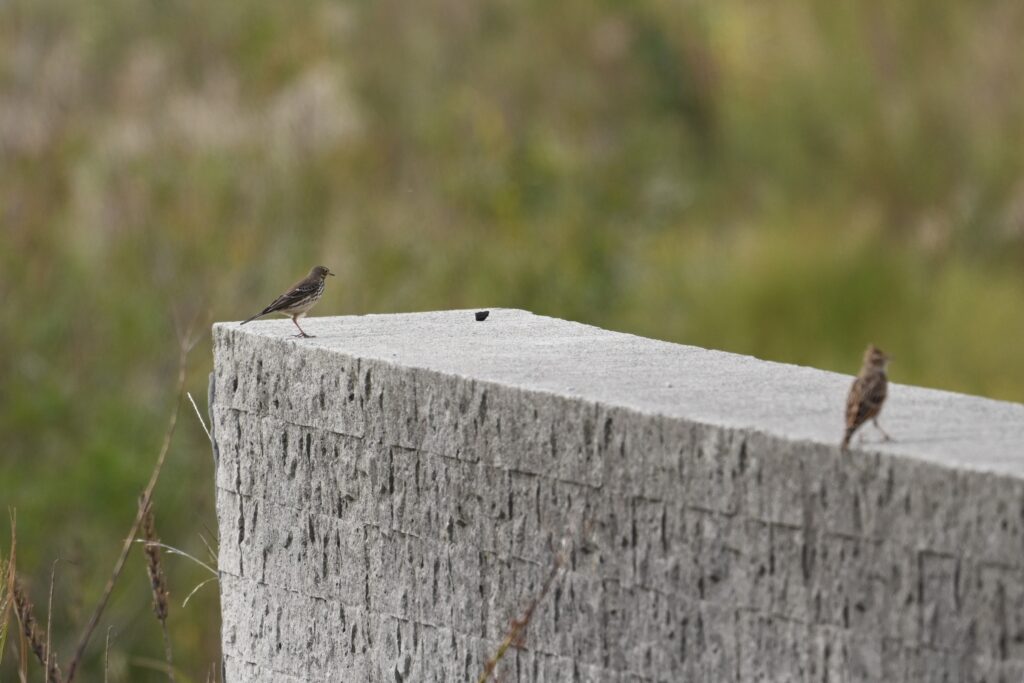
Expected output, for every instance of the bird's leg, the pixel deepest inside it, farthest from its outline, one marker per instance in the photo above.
(885, 435)
(302, 332)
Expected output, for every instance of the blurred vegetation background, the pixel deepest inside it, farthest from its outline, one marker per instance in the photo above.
(789, 179)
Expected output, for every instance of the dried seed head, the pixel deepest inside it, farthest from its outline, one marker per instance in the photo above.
(30, 628)
(157, 580)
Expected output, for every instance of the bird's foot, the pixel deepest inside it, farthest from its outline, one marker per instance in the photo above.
(885, 435)
(303, 335)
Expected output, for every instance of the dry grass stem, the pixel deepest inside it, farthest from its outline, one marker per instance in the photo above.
(157, 580)
(25, 613)
(5, 605)
(185, 346)
(516, 633)
(6, 573)
(178, 551)
(209, 549)
(195, 590)
(200, 416)
(106, 656)
(49, 617)
(9, 581)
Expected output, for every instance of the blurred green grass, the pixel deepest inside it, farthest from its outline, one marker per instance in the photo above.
(790, 180)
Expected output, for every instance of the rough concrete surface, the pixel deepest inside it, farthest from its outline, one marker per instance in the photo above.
(392, 494)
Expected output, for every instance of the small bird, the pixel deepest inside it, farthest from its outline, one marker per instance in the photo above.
(299, 298)
(867, 394)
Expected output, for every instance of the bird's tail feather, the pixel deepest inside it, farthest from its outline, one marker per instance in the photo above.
(258, 315)
(846, 439)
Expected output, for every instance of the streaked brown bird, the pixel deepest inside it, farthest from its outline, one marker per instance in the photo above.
(867, 394)
(299, 298)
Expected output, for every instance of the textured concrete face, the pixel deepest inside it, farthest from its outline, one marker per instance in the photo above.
(393, 493)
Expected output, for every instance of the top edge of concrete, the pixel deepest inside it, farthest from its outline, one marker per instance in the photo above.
(517, 348)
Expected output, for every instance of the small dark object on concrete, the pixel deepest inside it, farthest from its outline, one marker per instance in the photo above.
(482, 315)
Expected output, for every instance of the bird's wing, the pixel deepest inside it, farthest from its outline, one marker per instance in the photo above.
(294, 296)
(296, 293)
(866, 398)
(875, 393)
(853, 403)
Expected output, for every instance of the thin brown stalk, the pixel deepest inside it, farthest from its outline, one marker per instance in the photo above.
(147, 495)
(6, 571)
(23, 657)
(516, 634)
(22, 649)
(49, 618)
(4, 610)
(106, 655)
(517, 629)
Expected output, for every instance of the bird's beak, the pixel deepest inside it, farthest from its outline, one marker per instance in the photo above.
(330, 273)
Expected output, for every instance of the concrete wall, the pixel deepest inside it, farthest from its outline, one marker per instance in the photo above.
(393, 493)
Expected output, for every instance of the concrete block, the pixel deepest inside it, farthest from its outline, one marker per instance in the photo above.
(393, 494)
